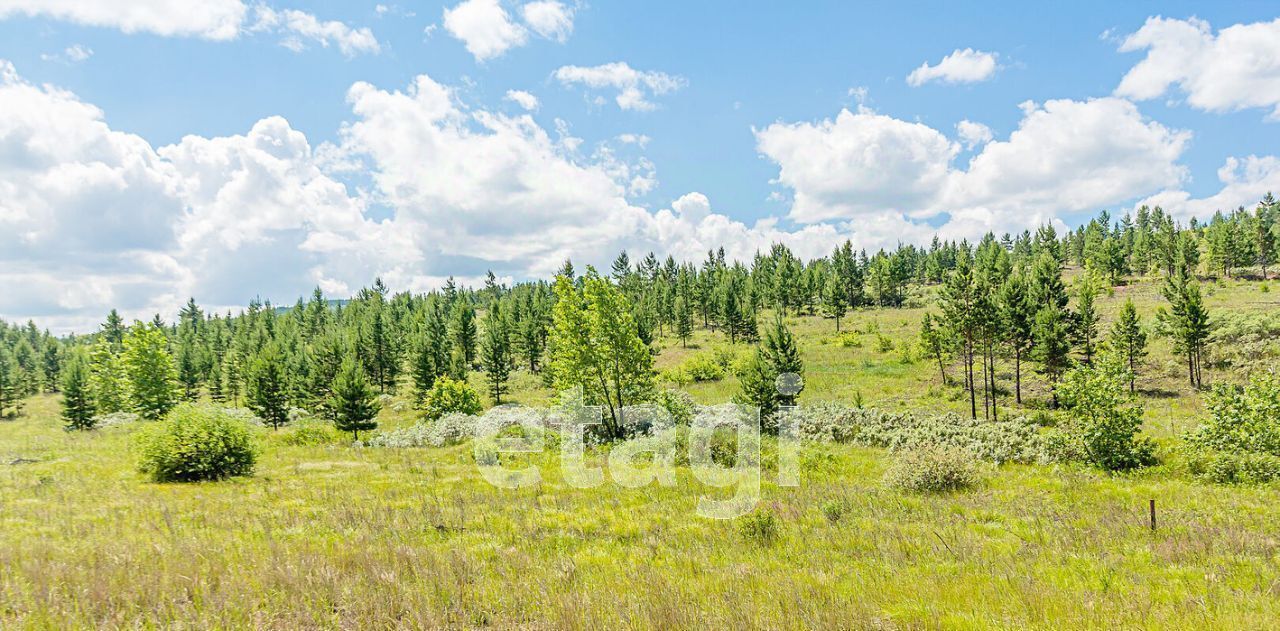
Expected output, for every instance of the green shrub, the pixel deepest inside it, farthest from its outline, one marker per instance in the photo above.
(884, 343)
(849, 340)
(1104, 417)
(449, 396)
(311, 433)
(196, 443)
(833, 510)
(759, 528)
(1007, 440)
(932, 470)
(678, 403)
(1233, 468)
(702, 367)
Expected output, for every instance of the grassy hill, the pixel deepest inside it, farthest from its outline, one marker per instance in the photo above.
(335, 536)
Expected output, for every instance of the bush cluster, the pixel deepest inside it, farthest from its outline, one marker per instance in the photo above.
(932, 470)
(450, 396)
(196, 443)
(450, 429)
(1006, 440)
(1240, 442)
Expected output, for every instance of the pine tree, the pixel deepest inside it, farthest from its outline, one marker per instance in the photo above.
(1129, 340)
(834, 299)
(1017, 314)
(1188, 322)
(9, 394)
(113, 329)
(462, 334)
(1086, 321)
(77, 398)
(149, 369)
(784, 357)
(1052, 345)
(266, 388)
(496, 352)
(51, 352)
(232, 377)
(684, 321)
(354, 404)
(935, 343)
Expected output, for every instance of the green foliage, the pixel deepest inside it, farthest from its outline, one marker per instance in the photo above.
(107, 378)
(678, 403)
(311, 433)
(1186, 322)
(932, 470)
(760, 528)
(496, 352)
(354, 404)
(196, 443)
(595, 346)
(1052, 346)
(450, 396)
(149, 370)
(266, 389)
(10, 389)
(1242, 419)
(1103, 417)
(1129, 341)
(77, 399)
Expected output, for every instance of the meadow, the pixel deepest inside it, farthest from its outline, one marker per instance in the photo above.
(338, 536)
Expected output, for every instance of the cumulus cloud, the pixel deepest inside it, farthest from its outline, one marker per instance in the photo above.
(299, 27)
(973, 134)
(1244, 181)
(484, 27)
(523, 99)
(961, 66)
(209, 19)
(634, 88)
(549, 19)
(1065, 156)
(92, 218)
(218, 20)
(1236, 69)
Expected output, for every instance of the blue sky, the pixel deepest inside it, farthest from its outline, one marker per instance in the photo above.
(743, 139)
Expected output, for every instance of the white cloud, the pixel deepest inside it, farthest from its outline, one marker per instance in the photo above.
(858, 163)
(73, 54)
(1065, 156)
(973, 134)
(1244, 182)
(1238, 68)
(209, 19)
(219, 20)
(297, 26)
(961, 66)
(634, 87)
(523, 99)
(484, 27)
(549, 19)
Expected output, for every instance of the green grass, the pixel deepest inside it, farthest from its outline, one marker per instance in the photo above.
(343, 537)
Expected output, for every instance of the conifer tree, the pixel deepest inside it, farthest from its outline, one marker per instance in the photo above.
(934, 341)
(266, 388)
(1017, 314)
(1052, 347)
(1086, 322)
(784, 356)
(354, 404)
(1187, 321)
(77, 399)
(462, 334)
(834, 299)
(1129, 341)
(496, 352)
(9, 394)
(684, 321)
(149, 370)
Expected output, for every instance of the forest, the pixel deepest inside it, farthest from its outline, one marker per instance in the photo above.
(985, 404)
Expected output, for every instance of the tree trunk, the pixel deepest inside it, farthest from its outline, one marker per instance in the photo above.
(1017, 373)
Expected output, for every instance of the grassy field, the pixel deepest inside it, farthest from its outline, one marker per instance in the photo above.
(343, 537)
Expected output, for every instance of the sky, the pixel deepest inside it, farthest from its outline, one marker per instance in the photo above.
(226, 150)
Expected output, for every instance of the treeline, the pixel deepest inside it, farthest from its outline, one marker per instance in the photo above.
(1003, 298)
